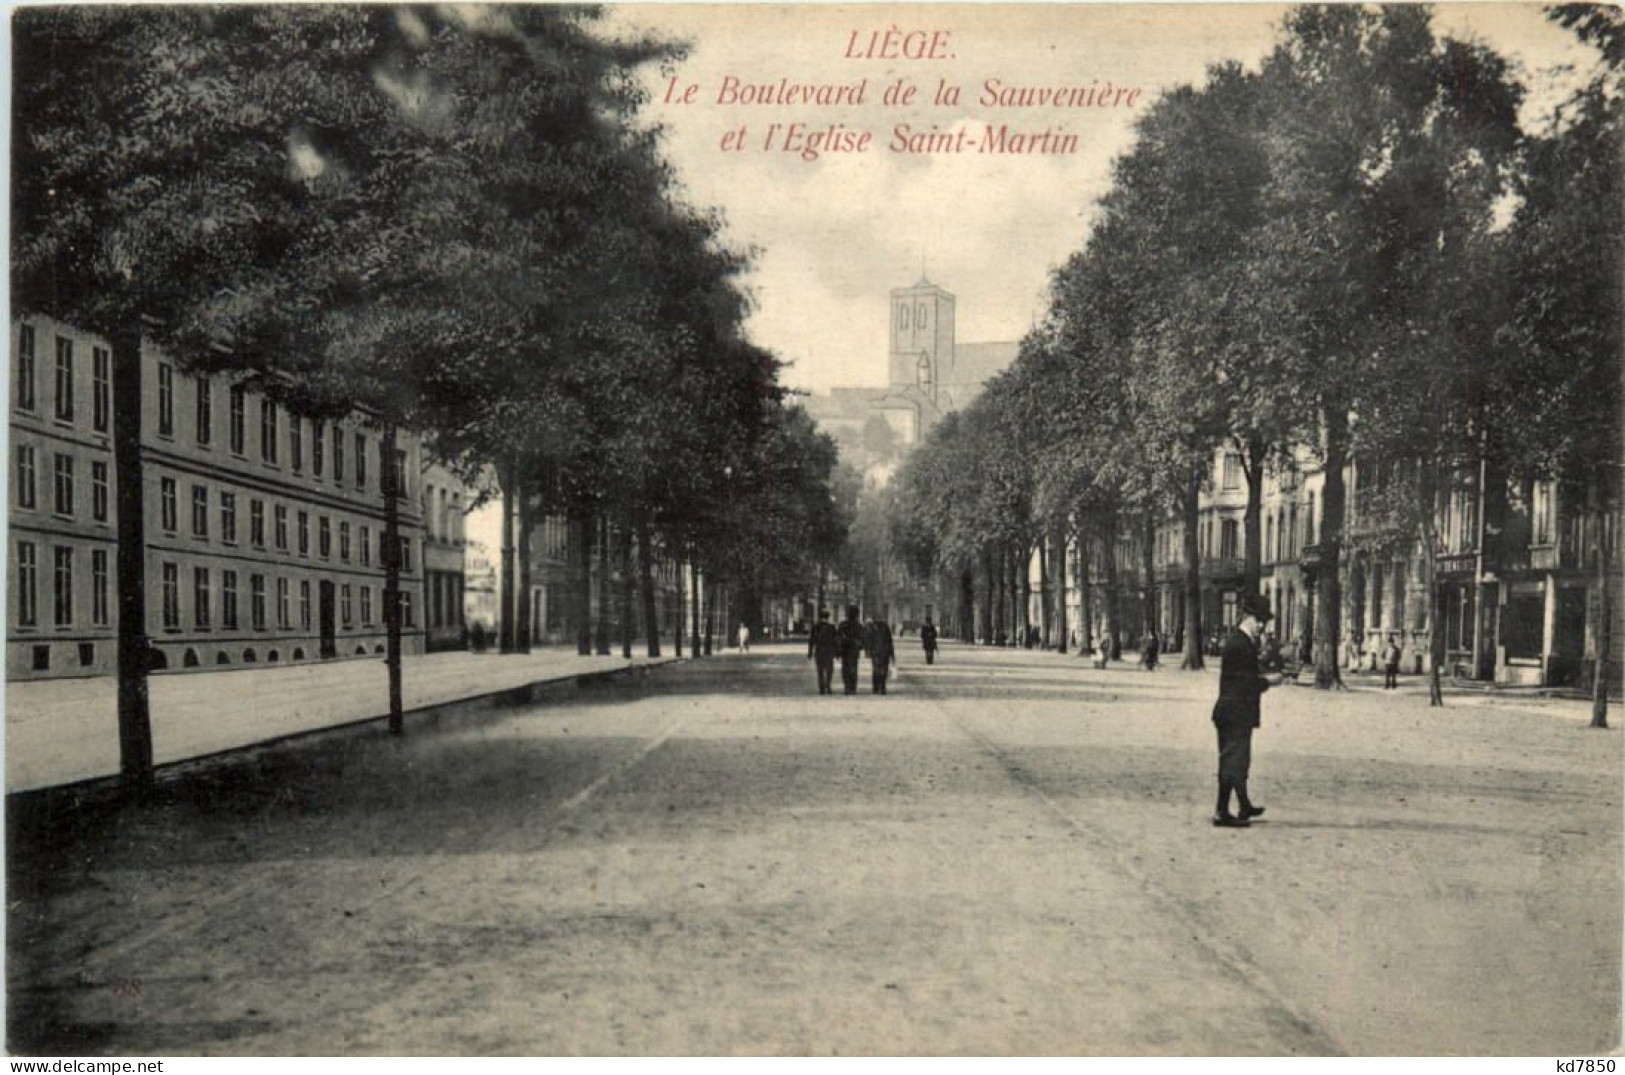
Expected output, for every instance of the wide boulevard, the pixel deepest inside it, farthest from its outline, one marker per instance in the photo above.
(1008, 853)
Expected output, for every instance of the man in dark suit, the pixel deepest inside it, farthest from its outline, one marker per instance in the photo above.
(850, 643)
(822, 646)
(928, 639)
(1235, 714)
(882, 652)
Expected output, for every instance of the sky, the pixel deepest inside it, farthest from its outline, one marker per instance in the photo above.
(832, 236)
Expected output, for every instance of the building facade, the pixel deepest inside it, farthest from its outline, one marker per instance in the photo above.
(264, 528)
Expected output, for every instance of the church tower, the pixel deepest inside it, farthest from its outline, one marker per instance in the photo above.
(922, 338)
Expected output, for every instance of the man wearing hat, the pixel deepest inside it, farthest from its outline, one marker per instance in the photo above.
(822, 646)
(850, 638)
(1235, 714)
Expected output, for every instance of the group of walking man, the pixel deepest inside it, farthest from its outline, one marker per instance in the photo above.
(852, 639)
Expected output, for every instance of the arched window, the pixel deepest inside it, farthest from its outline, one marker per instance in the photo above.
(902, 316)
(922, 373)
(922, 316)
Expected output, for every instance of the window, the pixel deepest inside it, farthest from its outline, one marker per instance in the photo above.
(228, 518)
(64, 379)
(366, 606)
(205, 410)
(200, 596)
(1269, 535)
(406, 555)
(284, 607)
(318, 445)
(101, 389)
(98, 491)
(169, 513)
(296, 443)
(406, 609)
(304, 533)
(1292, 529)
(25, 368)
(27, 584)
(256, 597)
(324, 537)
(360, 460)
(282, 527)
(172, 597)
(1541, 531)
(366, 547)
(304, 604)
(63, 589)
(1309, 522)
(399, 477)
(166, 400)
(338, 453)
(239, 409)
(98, 588)
(256, 523)
(228, 599)
(1231, 471)
(25, 476)
(344, 604)
(1376, 595)
(430, 522)
(200, 511)
(344, 542)
(63, 501)
(268, 431)
(1228, 538)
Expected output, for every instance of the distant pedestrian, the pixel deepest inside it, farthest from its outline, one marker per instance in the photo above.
(1236, 713)
(928, 639)
(1390, 663)
(882, 652)
(822, 646)
(743, 638)
(850, 637)
(1150, 651)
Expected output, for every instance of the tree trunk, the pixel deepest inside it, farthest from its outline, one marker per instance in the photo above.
(601, 635)
(987, 597)
(394, 484)
(694, 608)
(134, 717)
(1251, 519)
(1001, 596)
(681, 574)
(625, 592)
(1086, 629)
(646, 584)
(1190, 507)
(508, 476)
(1148, 563)
(1046, 595)
(1024, 572)
(524, 612)
(1604, 640)
(1108, 567)
(581, 531)
(1058, 540)
(1427, 539)
(1328, 621)
(967, 605)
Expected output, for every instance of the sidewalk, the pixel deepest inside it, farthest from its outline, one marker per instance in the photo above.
(66, 730)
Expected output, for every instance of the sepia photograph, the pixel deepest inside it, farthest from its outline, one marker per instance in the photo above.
(813, 530)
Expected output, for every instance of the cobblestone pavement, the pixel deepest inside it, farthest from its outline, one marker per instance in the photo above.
(1009, 853)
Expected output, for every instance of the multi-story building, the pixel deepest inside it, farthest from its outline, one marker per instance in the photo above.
(444, 552)
(264, 528)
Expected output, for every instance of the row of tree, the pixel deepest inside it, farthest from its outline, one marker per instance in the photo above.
(452, 219)
(1354, 249)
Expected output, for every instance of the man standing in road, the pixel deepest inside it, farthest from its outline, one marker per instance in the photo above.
(850, 641)
(928, 639)
(1235, 714)
(882, 652)
(821, 649)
